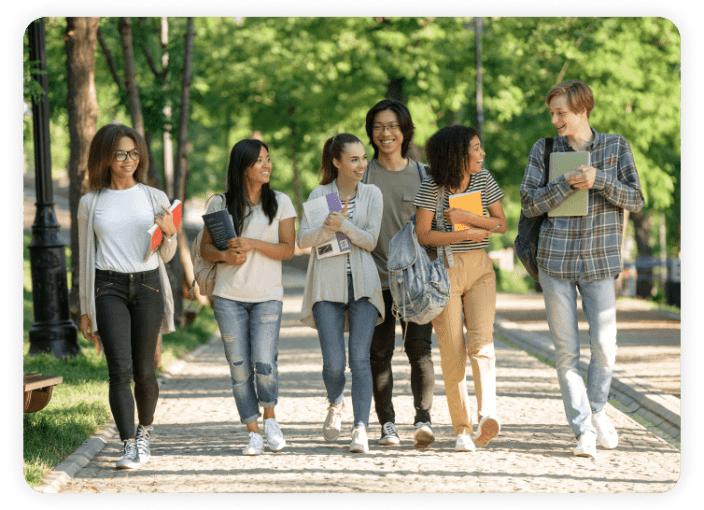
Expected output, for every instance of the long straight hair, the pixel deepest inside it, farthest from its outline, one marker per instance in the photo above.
(334, 148)
(243, 155)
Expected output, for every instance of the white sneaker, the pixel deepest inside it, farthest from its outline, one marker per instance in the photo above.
(360, 442)
(488, 428)
(587, 445)
(423, 435)
(605, 431)
(256, 443)
(464, 443)
(333, 422)
(274, 437)
(389, 435)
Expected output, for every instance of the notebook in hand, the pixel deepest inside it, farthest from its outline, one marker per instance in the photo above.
(471, 201)
(560, 163)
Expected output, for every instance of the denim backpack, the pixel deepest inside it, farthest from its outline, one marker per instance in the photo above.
(420, 288)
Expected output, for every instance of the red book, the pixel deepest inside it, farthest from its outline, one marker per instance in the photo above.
(154, 231)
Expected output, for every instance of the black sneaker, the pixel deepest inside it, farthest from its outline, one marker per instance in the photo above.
(142, 440)
(389, 435)
(130, 460)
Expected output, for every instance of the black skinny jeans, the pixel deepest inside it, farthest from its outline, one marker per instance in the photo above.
(129, 310)
(418, 349)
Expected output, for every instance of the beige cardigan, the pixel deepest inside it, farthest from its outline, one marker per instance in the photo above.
(325, 280)
(86, 248)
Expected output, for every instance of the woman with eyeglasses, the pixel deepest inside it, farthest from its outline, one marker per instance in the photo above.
(125, 299)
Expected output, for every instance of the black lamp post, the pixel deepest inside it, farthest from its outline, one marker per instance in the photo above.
(53, 330)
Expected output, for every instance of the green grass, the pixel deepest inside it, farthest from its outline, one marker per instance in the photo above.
(79, 406)
(513, 282)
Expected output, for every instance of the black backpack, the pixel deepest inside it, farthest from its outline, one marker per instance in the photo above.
(526, 244)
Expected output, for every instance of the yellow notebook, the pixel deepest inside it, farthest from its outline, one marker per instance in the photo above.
(471, 201)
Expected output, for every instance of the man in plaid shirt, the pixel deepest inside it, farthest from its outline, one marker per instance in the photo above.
(582, 253)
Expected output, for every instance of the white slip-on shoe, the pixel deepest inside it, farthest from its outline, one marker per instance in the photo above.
(256, 443)
(488, 428)
(333, 422)
(464, 443)
(605, 432)
(587, 445)
(360, 442)
(274, 437)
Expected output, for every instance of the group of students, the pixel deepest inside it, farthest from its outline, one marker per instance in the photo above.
(128, 300)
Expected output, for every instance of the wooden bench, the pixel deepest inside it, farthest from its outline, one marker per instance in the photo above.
(38, 389)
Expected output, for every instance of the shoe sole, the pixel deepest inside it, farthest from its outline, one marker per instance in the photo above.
(423, 439)
(359, 450)
(584, 455)
(251, 454)
(463, 449)
(129, 466)
(277, 448)
(330, 440)
(389, 441)
(490, 429)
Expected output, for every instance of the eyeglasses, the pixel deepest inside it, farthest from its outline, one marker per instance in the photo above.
(393, 128)
(122, 155)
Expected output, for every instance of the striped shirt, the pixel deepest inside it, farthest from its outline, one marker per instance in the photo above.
(427, 198)
(589, 246)
(350, 209)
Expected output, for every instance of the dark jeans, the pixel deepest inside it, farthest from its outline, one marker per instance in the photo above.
(417, 346)
(129, 310)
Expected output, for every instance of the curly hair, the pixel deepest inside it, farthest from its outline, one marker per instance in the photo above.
(334, 148)
(404, 120)
(448, 154)
(102, 153)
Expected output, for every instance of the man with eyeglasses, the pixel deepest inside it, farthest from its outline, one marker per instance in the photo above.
(390, 130)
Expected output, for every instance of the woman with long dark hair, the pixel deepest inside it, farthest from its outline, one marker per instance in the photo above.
(456, 156)
(248, 294)
(125, 300)
(343, 292)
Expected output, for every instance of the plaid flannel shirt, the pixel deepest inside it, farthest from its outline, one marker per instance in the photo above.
(589, 246)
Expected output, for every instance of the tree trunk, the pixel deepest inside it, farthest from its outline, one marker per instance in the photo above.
(478, 27)
(643, 226)
(125, 28)
(180, 267)
(296, 179)
(81, 41)
(395, 89)
(168, 151)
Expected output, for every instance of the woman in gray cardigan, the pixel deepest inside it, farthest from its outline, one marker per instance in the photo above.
(126, 298)
(343, 292)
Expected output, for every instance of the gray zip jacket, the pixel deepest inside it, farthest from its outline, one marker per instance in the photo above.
(326, 278)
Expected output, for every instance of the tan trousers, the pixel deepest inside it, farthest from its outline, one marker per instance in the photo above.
(472, 303)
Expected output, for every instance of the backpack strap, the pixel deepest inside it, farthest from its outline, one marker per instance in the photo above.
(440, 220)
(546, 158)
(421, 171)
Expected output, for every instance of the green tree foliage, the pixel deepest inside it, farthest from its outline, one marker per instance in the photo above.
(298, 81)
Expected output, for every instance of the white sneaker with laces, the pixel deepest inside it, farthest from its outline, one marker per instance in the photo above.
(274, 436)
(423, 436)
(389, 435)
(360, 442)
(256, 443)
(605, 431)
(488, 428)
(130, 460)
(587, 445)
(333, 422)
(142, 438)
(464, 443)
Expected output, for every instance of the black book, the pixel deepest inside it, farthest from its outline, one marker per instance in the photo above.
(220, 228)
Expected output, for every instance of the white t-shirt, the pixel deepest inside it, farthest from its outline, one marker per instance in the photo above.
(259, 278)
(122, 218)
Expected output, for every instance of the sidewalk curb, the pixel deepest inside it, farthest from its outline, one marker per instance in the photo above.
(655, 406)
(67, 468)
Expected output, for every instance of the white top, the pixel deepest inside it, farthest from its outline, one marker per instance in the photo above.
(122, 218)
(259, 278)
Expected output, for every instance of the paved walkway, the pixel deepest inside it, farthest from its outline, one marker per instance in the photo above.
(197, 439)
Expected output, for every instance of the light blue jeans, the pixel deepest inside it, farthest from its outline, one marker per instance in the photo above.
(330, 320)
(250, 335)
(599, 306)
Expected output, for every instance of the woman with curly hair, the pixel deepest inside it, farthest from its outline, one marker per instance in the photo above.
(455, 156)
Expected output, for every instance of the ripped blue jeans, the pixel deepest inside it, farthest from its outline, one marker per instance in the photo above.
(250, 335)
